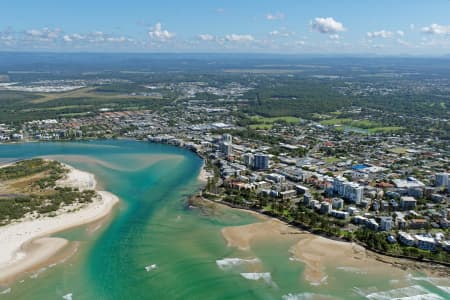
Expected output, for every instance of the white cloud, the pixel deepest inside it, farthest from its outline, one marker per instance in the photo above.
(73, 37)
(334, 37)
(119, 39)
(239, 37)
(327, 25)
(206, 37)
(43, 35)
(384, 34)
(282, 32)
(436, 29)
(67, 38)
(160, 34)
(33, 32)
(274, 33)
(403, 43)
(274, 17)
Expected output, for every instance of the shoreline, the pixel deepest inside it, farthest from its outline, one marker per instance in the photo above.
(26, 244)
(203, 175)
(271, 228)
(320, 255)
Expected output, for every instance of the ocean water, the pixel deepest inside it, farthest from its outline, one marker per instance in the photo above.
(155, 247)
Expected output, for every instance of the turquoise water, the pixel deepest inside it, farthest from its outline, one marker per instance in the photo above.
(152, 225)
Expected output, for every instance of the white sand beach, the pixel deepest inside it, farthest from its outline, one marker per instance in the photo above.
(204, 175)
(25, 244)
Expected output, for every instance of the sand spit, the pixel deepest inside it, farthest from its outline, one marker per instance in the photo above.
(26, 243)
(317, 253)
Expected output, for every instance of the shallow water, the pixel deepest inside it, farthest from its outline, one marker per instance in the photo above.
(153, 226)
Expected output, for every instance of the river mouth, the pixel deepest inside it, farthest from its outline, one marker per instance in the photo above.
(184, 249)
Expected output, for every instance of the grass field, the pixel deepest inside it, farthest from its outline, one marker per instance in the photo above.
(259, 122)
(370, 126)
(385, 129)
(331, 159)
(261, 126)
(287, 119)
(398, 150)
(88, 92)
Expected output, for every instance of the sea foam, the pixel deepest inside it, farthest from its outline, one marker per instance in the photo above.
(265, 276)
(38, 272)
(150, 267)
(68, 296)
(7, 291)
(414, 292)
(228, 263)
(305, 296)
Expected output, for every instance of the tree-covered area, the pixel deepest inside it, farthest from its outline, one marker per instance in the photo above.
(17, 207)
(299, 98)
(30, 186)
(23, 108)
(33, 166)
(378, 241)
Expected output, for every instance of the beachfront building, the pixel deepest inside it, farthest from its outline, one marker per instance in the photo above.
(289, 194)
(226, 145)
(226, 148)
(307, 198)
(406, 238)
(386, 223)
(325, 207)
(338, 203)
(425, 243)
(372, 224)
(339, 214)
(348, 190)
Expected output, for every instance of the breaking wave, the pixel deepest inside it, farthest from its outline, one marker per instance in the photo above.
(228, 263)
(68, 296)
(305, 296)
(407, 293)
(7, 291)
(265, 276)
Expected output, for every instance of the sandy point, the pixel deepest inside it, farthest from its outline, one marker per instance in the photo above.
(26, 244)
(316, 253)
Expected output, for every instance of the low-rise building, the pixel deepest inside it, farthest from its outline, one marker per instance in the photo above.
(417, 224)
(406, 238)
(407, 203)
(289, 194)
(425, 243)
(325, 207)
(338, 203)
(386, 223)
(339, 214)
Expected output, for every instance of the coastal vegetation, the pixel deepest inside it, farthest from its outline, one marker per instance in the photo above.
(29, 188)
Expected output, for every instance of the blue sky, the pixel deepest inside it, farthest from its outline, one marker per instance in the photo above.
(415, 27)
